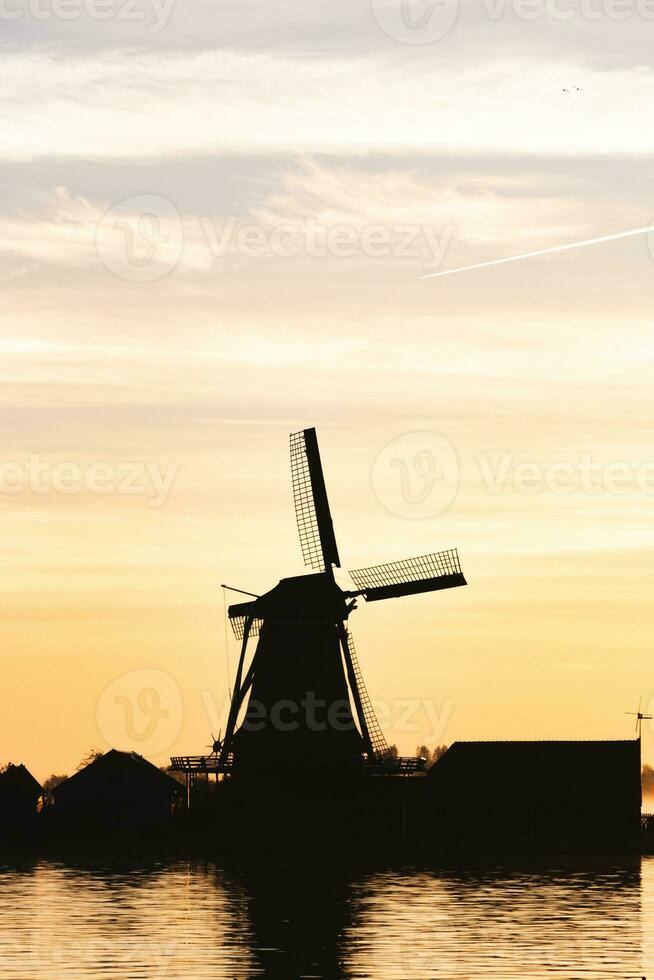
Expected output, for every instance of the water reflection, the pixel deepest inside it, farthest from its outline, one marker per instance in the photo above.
(94, 921)
(564, 922)
(263, 919)
(298, 914)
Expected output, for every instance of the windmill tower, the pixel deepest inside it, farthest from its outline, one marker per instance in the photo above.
(302, 698)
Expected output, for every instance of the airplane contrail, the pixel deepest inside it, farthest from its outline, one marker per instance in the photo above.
(542, 251)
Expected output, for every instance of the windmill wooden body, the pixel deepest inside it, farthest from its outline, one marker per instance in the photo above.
(301, 699)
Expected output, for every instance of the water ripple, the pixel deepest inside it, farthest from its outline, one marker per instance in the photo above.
(197, 920)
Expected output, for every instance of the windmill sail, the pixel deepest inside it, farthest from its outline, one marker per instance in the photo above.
(374, 737)
(238, 614)
(300, 701)
(314, 520)
(427, 573)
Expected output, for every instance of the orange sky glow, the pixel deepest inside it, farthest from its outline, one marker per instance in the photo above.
(194, 268)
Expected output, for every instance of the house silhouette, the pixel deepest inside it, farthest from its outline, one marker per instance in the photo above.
(19, 796)
(117, 791)
(545, 791)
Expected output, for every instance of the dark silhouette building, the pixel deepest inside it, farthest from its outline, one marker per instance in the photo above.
(545, 791)
(19, 796)
(119, 791)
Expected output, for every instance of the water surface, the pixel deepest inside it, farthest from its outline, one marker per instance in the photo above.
(199, 920)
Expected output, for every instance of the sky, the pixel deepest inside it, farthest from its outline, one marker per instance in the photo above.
(215, 220)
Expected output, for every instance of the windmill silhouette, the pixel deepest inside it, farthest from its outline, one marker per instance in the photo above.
(640, 717)
(303, 691)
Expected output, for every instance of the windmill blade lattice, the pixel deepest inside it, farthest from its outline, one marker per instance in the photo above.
(238, 614)
(377, 740)
(426, 573)
(312, 512)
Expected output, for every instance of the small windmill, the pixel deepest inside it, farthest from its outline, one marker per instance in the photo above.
(304, 682)
(640, 717)
(216, 745)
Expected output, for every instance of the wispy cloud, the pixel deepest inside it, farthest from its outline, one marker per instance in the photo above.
(133, 105)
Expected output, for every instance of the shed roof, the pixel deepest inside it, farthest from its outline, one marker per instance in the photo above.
(114, 765)
(499, 755)
(19, 781)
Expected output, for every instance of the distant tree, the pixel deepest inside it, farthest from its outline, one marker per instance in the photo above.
(4, 766)
(392, 751)
(431, 755)
(179, 777)
(52, 781)
(90, 757)
(647, 779)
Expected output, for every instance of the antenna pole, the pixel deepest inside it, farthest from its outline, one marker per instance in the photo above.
(242, 591)
(229, 680)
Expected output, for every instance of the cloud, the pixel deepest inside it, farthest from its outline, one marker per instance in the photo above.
(133, 105)
(464, 213)
(73, 231)
(586, 31)
(481, 208)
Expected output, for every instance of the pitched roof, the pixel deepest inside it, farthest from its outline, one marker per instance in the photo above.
(114, 763)
(19, 781)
